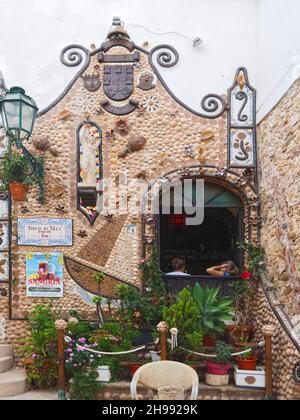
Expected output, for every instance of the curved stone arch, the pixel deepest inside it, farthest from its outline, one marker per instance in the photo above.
(236, 182)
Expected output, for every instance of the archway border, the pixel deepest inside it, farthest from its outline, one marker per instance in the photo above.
(240, 183)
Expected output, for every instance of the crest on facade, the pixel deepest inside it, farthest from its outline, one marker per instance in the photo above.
(91, 82)
(118, 81)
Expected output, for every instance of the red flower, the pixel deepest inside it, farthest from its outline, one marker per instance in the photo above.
(246, 275)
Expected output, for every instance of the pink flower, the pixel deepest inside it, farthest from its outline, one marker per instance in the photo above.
(82, 340)
(34, 356)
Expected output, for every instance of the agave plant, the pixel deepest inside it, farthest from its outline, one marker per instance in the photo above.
(212, 310)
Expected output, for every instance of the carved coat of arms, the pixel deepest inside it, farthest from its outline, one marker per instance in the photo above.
(118, 81)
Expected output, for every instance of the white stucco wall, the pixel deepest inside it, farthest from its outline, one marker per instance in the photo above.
(235, 33)
(277, 49)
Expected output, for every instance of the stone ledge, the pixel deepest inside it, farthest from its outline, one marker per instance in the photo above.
(121, 391)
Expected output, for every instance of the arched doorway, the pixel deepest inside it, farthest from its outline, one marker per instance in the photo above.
(209, 243)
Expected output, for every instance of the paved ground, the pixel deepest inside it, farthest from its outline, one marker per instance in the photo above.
(34, 395)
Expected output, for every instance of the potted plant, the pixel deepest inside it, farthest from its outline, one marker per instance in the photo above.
(16, 175)
(218, 368)
(242, 292)
(212, 312)
(183, 315)
(40, 348)
(98, 277)
(247, 361)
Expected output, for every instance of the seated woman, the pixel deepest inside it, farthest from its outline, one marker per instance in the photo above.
(226, 269)
(179, 268)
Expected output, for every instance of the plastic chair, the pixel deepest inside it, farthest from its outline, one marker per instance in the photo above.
(163, 374)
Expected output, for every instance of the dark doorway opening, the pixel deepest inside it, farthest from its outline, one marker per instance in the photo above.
(208, 244)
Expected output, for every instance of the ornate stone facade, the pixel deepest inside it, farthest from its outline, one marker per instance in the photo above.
(156, 138)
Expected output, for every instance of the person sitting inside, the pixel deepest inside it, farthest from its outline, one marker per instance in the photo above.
(226, 269)
(179, 268)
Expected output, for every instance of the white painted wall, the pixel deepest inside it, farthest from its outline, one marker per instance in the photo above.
(277, 49)
(235, 33)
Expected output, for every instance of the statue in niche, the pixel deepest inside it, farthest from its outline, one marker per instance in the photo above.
(89, 155)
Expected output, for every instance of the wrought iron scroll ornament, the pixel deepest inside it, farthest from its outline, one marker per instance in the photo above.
(242, 122)
(71, 56)
(242, 96)
(214, 105)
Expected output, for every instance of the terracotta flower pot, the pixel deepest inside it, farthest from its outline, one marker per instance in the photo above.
(18, 191)
(246, 363)
(236, 334)
(214, 368)
(134, 367)
(208, 341)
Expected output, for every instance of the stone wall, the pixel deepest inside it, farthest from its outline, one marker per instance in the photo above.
(279, 166)
(284, 353)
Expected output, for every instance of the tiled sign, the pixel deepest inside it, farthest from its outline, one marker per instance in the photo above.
(45, 232)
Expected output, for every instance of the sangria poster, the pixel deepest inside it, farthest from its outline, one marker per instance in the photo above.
(44, 274)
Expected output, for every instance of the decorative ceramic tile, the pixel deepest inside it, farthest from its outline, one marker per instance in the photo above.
(90, 169)
(3, 236)
(241, 148)
(3, 206)
(45, 232)
(242, 106)
(4, 271)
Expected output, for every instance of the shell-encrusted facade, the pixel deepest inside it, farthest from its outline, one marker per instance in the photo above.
(116, 119)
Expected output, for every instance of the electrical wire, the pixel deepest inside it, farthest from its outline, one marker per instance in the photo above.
(163, 33)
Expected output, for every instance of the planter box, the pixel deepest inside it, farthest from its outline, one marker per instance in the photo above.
(250, 378)
(104, 374)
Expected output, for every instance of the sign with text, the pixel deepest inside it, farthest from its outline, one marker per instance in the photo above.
(45, 232)
(44, 274)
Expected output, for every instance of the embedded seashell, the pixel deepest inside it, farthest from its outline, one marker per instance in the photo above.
(64, 115)
(241, 80)
(207, 135)
(134, 145)
(42, 144)
(202, 155)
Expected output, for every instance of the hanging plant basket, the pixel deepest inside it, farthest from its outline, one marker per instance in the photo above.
(18, 191)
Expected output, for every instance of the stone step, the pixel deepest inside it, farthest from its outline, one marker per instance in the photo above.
(6, 350)
(6, 363)
(121, 391)
(13, 382)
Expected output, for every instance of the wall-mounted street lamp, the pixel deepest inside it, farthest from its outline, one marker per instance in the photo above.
(18, 112)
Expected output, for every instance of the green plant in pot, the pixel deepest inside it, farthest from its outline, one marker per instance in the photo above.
(212, 312)
(246, 361)
(16, 175)
(40, 348)
(242, 292)
(220, 365)
(99, 278)
(183, 315)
